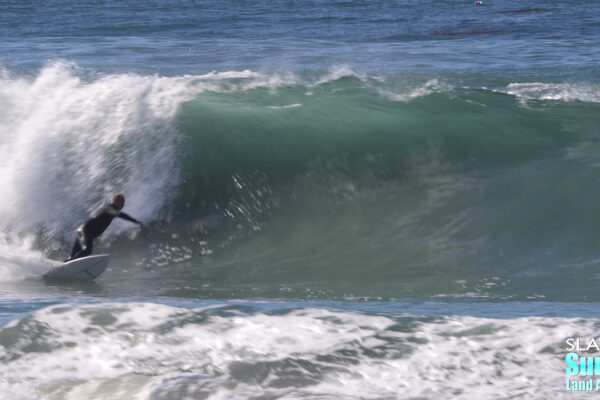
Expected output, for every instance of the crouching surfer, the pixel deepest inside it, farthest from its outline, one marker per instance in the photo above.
(96, 225)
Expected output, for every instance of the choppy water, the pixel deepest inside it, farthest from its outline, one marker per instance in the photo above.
(341, 200)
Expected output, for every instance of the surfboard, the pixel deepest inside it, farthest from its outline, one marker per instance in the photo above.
(86, 268)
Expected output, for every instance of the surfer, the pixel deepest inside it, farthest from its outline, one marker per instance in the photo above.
(96, 225)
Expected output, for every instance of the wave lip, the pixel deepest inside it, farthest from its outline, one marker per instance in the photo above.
(431, 86)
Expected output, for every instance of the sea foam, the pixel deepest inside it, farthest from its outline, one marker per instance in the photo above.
(148, 350)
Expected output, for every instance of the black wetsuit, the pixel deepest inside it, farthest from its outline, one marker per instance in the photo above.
(94, 227)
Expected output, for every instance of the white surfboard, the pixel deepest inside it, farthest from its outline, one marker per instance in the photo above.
(86, 268)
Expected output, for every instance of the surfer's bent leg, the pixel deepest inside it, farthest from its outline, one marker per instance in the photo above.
(76, 249)
(83, 245)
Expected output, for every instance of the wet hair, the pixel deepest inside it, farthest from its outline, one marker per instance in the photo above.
(118, 201)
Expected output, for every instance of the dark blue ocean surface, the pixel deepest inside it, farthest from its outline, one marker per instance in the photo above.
(551, 40)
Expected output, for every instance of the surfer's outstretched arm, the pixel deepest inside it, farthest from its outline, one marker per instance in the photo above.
(129, 218)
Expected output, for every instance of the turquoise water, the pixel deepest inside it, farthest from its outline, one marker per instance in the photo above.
(369, 200)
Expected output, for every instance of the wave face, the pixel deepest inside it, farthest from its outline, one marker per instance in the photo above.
(337, 181)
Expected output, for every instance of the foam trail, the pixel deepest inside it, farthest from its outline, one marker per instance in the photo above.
(18, 261)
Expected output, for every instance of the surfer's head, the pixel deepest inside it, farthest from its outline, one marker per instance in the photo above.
(118, 201)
